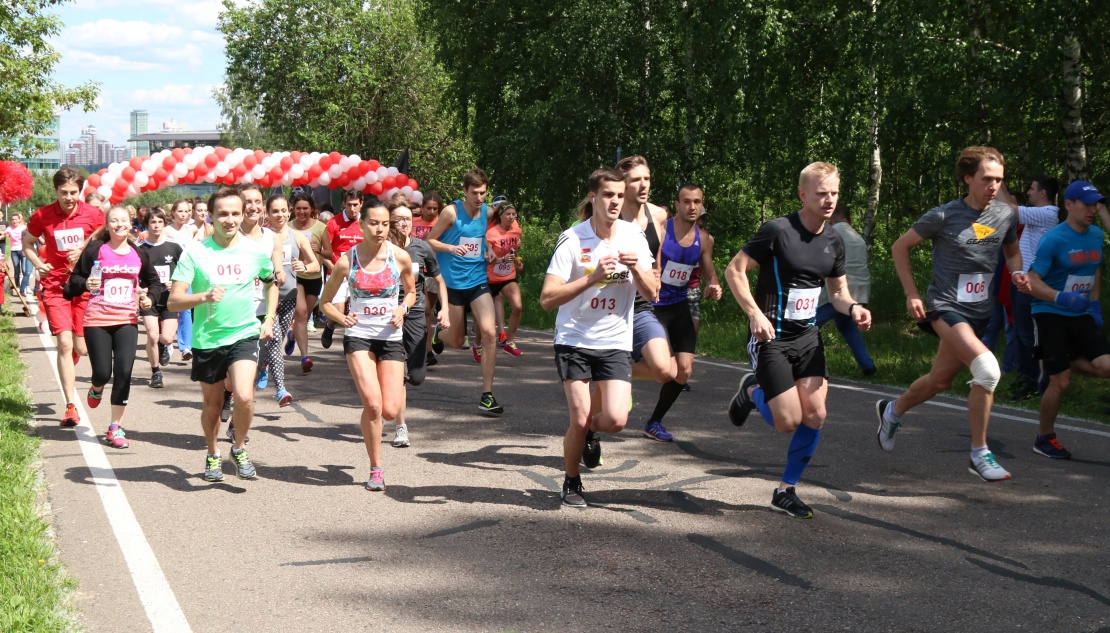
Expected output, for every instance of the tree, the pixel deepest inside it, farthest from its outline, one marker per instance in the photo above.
(28, 97)
(242, 125)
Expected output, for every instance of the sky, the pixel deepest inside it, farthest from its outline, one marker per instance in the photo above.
(162, 56)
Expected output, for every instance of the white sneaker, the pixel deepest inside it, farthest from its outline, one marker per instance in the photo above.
(401, 437)
(986, 466)
(887, 429)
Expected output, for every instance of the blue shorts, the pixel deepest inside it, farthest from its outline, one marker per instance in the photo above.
(645, 327)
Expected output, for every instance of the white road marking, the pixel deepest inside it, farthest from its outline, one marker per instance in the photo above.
(162, 608)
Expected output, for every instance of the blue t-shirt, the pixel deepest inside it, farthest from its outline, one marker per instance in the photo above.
(1067, 261)
(468, 271)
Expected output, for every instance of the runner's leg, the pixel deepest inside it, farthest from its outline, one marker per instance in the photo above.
(516, 305)
(484, 322)
(365, 375)
(242, 374)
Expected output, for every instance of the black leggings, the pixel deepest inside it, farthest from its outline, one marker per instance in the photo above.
(110, 345)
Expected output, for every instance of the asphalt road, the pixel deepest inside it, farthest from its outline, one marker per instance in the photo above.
(470, 535)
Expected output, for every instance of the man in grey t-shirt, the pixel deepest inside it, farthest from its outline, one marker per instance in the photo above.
(859, 286)
(967, 234)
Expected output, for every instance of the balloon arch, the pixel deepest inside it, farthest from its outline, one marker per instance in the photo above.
(220, 165)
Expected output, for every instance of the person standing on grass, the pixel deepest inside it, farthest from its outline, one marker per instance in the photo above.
(65, 226)
(598, 266)
(121, 281)
(859, 284)
(216, 277)
(159, 321)
(967, 234)
(796, 256)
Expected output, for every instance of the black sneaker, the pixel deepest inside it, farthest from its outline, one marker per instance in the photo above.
(591, 454)
(572, 493)
(225, 413)
(431, 360)
(787, 501)
(741, 405)
(244, 469)
(327, 335)
(156, 379)
(437, 345)
(488, 404)
(163, 355)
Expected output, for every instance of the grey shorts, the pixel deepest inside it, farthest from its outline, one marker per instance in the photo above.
(645, 327)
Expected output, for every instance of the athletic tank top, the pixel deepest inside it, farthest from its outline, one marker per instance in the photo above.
(467, 271)
(116, 303)
(315, 234)
(290, 252)
(503, 243)
(373, 297)
(677, 264)
(263, 244)
(641, 304)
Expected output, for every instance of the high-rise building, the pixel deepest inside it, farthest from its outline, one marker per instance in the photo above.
(89, 150)
(52, 158)
(139, 125)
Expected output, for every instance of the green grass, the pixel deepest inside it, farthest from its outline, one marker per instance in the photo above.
(33, 588)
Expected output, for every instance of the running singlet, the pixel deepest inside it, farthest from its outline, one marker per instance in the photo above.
(204, 265)
(290, 252)
(678, 264)
(163, 256)
(469, 270)
(652, 236)
(315, 234)
(503, 243)
(265, 245)
(424, 266)
(374, 295)
(343, 234)
(1067, 261)
(600, 317)
(421, 227)
(966, 243)
(116, 303)
(793, 266)
(62, 234)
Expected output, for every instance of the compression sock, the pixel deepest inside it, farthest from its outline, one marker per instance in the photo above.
(761, 404)
(802, 447)
(668, 393)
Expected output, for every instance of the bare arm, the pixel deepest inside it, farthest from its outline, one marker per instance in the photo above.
(32, 254)
(900, 253)
(443, 222)
(339, 272)
(708, 270)
(180, 299)
(843, 302)
(1013, 261)
(558, 291)
(737, 277)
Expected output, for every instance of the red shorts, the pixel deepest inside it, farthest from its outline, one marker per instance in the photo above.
(64, 315)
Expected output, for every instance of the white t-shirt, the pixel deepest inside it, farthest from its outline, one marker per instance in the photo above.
(182, 236)
(1038, 221)
(600, 317)
(264, 245)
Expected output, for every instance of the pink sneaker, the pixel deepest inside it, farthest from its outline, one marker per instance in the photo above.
(511, 348)
(477, 351)
(116, 438)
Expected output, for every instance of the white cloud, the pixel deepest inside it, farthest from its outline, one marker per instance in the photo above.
(150, 37)
(83, 60)
(175, 94)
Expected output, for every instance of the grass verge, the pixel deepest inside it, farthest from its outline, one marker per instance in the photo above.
(33, 588)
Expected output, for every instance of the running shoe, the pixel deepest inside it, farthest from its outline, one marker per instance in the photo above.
(741, 405)
(263, 379)
(572, 493)
(401, 436)
(654, 430)
(244, 469)
(284, 398)
(116, 438)
(591, 453)
(437, 345)
(477, 351)
(163, 354)
(377, 480)
(466, 341)
(231, 434)
(326, 336)
(986, 466)
(787, 501)
(311, 325)
(186, 356)
(156, 379)
(93, 398)
(76, 358)
(431, 360)
(225, 412)
(502, 337)
(512, 349)
(213, 468)
(71, 417)
(1050, 447)
(290, 342)
(887, 429)
(488, 404)
(686, 387)
(306, 364)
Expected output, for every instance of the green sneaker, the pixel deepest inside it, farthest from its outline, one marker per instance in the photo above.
(244, 469)
(213, 468)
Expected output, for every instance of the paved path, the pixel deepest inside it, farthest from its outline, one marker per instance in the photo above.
(470, 535)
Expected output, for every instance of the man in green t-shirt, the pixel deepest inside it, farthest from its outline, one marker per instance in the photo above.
(221, 271)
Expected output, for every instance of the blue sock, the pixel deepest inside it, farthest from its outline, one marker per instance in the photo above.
(802, 447)
(761, 404)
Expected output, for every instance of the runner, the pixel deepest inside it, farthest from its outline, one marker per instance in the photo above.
(1065, 279)
(308, 284)
(458, 238)
(424, 268)
(424, 221)
(20, 263)
(693, 291)
(796, 255)
(201, 227)
(597, 268)
(121, 279)
(297, 259)
(375, 272)
(429, 210)
(65, 225)
(682, 251)
(160, 323)
(344, 231)
(967, 234)
(182, 230)
(503, 239)
(651, 354)
(222, 270)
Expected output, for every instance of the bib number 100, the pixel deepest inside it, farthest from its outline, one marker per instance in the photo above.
(603, 303)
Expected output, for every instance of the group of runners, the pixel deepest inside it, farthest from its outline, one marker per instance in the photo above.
(627, 279)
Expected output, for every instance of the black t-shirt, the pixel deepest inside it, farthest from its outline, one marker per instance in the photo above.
(793, 266)
(424, 264)
(163, 257)
(640, 304)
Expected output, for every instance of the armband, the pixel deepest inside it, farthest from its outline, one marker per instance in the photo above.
(852, 306)
(268, 279)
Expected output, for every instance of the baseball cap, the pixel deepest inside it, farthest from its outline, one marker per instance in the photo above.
(1084, 192)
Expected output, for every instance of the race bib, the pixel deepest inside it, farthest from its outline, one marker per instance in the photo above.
(374, 311)
(227, 273)
(259, 290)
(286, 255)
(416, 270)
(68, 239)
(676, 274)
(1079, 283)
(801, 303)
(974, 288)
(119, 292)
(163, 274)
(473, 247)
(504, 269)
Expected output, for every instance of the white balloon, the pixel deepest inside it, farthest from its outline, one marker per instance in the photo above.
(382, 172)
(287, 179)
(221, 169)
(392, 171)
(141, 179)
(210, 177)
(170, 181)
(115, 169)
(371, 178)
(359, 184)
(418, 197)
(268, 163)
(105, 191)
(296, 171)
(107, 180)
(345, 163)
(307, 161)
(179, 171)
(392, 192)
(246, 179)
(132, 190)
(407, 190)
(258, 171)
(190, 161)
(325, 179)
(334, 171)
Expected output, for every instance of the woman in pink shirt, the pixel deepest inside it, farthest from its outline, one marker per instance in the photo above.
(20, 264)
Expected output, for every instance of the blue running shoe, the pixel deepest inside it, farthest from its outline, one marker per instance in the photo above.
(290, 342)
(284, 398)
(654, 430)
(263, 379)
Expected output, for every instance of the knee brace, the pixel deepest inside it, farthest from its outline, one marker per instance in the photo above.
(985, 371)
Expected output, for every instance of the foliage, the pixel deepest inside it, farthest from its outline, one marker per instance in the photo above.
(28, 97)
(242, 126)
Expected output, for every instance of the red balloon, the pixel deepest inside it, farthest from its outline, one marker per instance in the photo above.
(94, 180)
(325, 163)
(239, 171)
(136, 163)
(189, 178)
(160, 175)
(314, 172)
(366, 189)
(335, 157)
(178, 154)
(342, 181)
(211, 160)
(389, 182)
(249, 161)
(229, 179)
(169, 162)
(286, 163)
(276, 174)
(374, 165)
(263, 181)
(295, 156)
(259, 155)
(376, 188)
(201, 169)
(120, 186)
(222, 152)
(128, 174)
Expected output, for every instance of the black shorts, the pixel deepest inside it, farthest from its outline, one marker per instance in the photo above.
(382, 350)
(1061, 339)
(415, 340)
(312, 287)
(210, 366)
(979, 326)
(579, 363)
(496, 288)
(465, 296)
(679, 324)
(779, 363)
(161, 312)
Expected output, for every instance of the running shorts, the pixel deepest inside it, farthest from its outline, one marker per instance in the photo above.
(1060, 339)
(64, 315)
(210, 366)
(579, 363)
(496, 288)
(645, 327)
(779, 363)
(466, 296)
(678, 323)
(312, 287)
(382, 350)
(979, 326)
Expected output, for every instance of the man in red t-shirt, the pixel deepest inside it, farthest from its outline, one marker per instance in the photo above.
(66, 226)
(344, 233)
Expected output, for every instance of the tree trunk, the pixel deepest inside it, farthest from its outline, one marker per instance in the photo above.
(688, 132)
(875, 177)
(977, 18)
(1073, 119)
